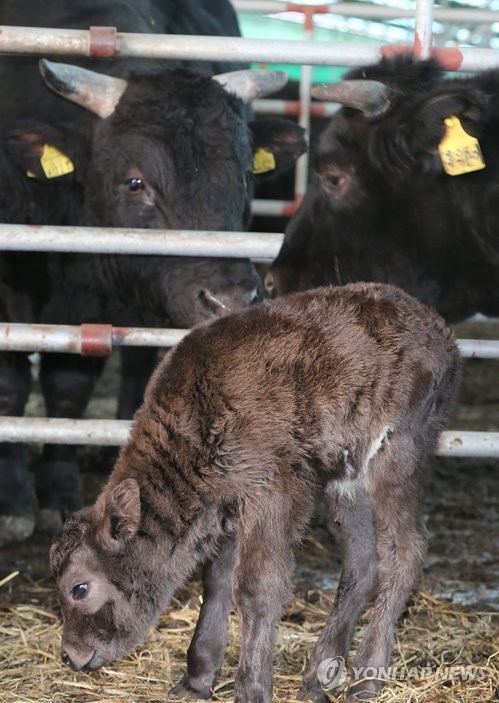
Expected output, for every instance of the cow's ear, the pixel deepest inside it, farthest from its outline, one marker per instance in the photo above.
(40, 150)
(277, 143)
(470, 107)
(121, 517)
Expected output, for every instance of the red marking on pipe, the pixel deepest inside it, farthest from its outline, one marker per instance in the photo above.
(317, 110)
(418, 46)
(291, 108)
(450, 58)
(103, 42)
(119, 334)
(96, 340)
(289, 210)
(307, 9)
(389, 51)
(308, 25)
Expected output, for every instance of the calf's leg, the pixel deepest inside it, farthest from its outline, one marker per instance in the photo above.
(395, 484)
(206, 651)
(358, 583)
(262, 577)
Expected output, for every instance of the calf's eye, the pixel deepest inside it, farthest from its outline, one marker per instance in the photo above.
(79, 591)
(134, 184)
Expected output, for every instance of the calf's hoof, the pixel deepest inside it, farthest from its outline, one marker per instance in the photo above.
(311, 692)
(185, 690)
(15, 528)
(365, 690)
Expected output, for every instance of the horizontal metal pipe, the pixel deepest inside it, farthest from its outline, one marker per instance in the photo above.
(367, 11)
(71, 339)
(64, 431)
(479, 348)
(273, 208)
(482, 445)
(43, 41)
(115, 432)
(39, 40)
(107, 240)
(15, 336)
(292, 108)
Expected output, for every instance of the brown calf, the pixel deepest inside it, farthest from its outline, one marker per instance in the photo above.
(338, 390)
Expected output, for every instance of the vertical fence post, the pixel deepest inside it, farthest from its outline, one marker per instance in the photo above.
(423, 30)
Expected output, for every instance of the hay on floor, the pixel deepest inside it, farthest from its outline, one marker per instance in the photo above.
(442, 653)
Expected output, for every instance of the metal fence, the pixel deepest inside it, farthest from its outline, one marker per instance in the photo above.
(108, 42)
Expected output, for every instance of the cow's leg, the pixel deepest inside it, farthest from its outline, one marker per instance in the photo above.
(206, 651)
(16, 500)
(395, 485)
(262, 585)
(137, 365)
(351, 520)
(67, 382)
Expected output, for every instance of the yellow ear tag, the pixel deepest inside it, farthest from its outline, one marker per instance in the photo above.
(54, 163)
(459, 151)
(263, 161)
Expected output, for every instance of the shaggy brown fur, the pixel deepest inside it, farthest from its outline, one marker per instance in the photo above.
(339, 390)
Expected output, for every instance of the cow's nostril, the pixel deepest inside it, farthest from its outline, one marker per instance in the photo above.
(213, 303)
(255, 296)
(269, 284)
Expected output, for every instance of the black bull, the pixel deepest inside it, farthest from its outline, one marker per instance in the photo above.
(380, 206)
(150, 144)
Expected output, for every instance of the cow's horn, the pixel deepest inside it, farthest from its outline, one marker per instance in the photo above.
(252, 83)
(96, 92)
(370, 97)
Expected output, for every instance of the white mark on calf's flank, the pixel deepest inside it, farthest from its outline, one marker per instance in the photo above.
(376, 445)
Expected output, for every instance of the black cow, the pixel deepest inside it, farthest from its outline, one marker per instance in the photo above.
(162, 146)
(380, 205)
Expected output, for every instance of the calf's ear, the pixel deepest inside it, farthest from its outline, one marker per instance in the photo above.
(121, 517)
(277, 143)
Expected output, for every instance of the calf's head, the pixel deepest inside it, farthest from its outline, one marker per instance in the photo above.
(107, 585)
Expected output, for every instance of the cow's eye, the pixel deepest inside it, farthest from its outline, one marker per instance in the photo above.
(79, 591)
(334, 180)
(135, 184)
